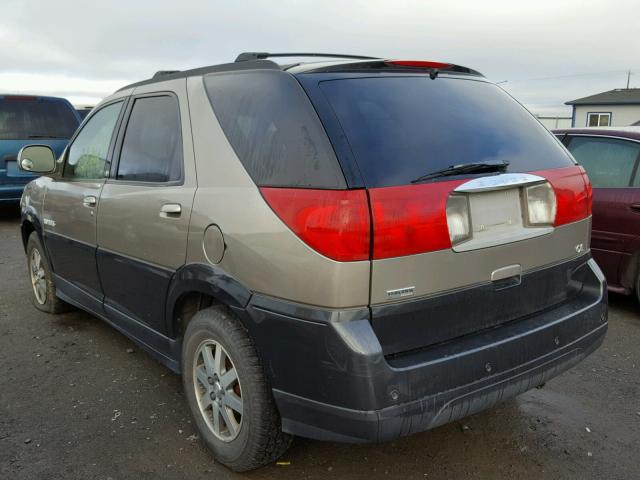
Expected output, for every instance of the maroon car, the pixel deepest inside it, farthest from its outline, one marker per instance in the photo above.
(610, 156)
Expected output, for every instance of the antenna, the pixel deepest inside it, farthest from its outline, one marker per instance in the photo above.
(628, 77)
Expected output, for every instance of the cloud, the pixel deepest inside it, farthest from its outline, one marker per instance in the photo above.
(90, 43)
(82, 91)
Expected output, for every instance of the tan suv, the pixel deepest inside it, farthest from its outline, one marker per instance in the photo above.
(349, 250)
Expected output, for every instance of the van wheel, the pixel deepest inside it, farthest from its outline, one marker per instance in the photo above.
(228, 394)
(42, 287)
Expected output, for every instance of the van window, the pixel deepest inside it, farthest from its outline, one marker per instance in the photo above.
(23, 117)
(152, 145)
(274, 130)
(609, 162)
(403, 127)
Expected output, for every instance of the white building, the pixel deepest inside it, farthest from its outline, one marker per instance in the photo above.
(554, 122)
(615, 108)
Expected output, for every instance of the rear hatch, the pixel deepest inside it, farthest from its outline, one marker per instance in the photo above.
(26, 120)
(454, 249)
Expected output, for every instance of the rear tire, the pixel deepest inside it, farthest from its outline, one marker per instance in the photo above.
(228, 394)
(43, 290)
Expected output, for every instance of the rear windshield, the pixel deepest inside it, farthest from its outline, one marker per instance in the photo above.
(38, 118)
(401, 128)
(274, 130)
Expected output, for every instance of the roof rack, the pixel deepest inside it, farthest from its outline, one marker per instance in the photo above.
(246, 56)
(162, 73)
(225, 67)
(258, 61)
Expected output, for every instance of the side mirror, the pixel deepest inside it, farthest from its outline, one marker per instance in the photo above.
(37, 159)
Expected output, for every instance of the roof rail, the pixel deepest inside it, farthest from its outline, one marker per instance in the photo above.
(245, 56)
(161, 73)
(225, 67)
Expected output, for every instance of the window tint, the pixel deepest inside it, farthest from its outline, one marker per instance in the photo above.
(152, 146)
(31, 117)
(403, 127)
(88, 153)
(274, 130)
(609, 162)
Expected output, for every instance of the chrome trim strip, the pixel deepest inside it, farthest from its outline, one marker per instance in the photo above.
(599, 135)
(498, 182)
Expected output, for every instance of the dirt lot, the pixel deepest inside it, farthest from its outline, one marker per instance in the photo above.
(78, 400)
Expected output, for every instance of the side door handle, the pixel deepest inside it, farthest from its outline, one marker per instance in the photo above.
(170, 210)
(635, 207)
(90, 201)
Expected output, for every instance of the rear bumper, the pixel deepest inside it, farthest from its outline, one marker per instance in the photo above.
(11, 193)
(331, 380)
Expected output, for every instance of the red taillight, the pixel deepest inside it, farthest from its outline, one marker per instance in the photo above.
(335, 223)
(410, 219)
(587, 183)
(573, 193)
(407, 220)
(418, 64)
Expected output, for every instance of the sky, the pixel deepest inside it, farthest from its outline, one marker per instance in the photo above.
(543, 52)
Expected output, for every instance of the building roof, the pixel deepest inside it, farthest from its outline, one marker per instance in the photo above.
(618, 96)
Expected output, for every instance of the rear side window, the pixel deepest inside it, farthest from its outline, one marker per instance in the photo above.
(31, 117)
(609, 162)
(274, 130)
(401, 128)
(152, 146)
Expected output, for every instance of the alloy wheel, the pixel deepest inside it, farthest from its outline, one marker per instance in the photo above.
(218, 390)
(38, 279)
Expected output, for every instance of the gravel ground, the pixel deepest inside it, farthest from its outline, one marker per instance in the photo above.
(80, 401)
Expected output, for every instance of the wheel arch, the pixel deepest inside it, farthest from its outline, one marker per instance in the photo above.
(196, 286)
(30, 223)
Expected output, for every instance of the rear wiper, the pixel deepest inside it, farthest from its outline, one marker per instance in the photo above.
(44, 136)
(464, 168)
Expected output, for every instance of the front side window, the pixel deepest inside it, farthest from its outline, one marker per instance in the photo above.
(88, 153)
(598, 119)
(609, 162)
(152, 146)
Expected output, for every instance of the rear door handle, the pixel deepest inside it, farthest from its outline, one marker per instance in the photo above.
(635, 207)
(90, 201)
(170, 209)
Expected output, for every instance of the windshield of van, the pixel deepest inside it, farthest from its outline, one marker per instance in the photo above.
(26, 117)
(404, 128)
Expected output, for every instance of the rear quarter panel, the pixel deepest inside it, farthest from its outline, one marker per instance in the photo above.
(261, 251)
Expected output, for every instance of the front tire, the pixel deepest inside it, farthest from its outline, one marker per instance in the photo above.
(43, 290)
(228, 394)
